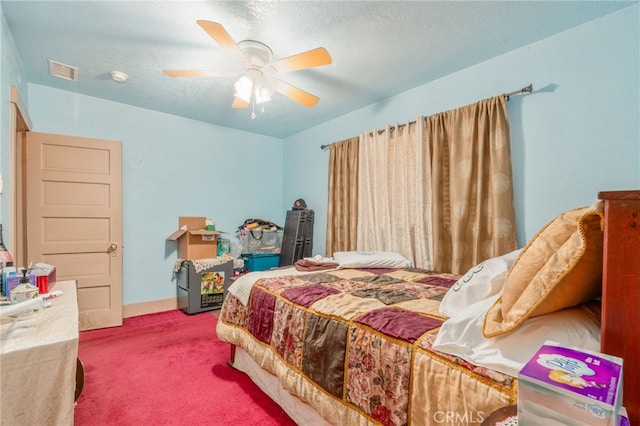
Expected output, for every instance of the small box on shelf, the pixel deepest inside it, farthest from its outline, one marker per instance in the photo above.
(45, 276)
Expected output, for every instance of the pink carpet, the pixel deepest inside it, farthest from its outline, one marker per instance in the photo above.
(167, 368)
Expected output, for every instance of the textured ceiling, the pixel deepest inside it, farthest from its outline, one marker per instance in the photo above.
(379, 48)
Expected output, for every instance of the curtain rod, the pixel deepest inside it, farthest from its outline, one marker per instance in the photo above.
(507, 96)
(525, 89)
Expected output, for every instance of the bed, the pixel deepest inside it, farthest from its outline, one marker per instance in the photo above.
(372, 340)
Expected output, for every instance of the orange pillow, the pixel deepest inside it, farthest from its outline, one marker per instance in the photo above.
(560, 267)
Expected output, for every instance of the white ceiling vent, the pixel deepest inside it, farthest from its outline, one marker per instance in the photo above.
(58, 69)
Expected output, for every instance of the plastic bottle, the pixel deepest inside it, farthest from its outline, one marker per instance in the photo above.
(5, 255)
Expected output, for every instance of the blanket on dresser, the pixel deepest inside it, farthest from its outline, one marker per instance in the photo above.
(356, 345)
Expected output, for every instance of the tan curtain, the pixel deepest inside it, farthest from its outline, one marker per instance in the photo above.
(472, 186)
(439, 190)
(342, 209)
(394, 194)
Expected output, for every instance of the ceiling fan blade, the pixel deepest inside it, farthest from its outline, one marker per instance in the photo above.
(222, 37)
(198, 73)
(239, 103)
(298, 95)
(309, 59)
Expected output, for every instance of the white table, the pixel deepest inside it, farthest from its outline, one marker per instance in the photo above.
(38, 363)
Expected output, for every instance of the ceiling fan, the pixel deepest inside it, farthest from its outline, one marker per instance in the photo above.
(259, 79)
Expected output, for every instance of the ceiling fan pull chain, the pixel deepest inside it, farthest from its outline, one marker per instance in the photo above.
(253, 104)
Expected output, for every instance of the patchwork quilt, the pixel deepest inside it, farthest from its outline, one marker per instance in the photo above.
(356, 345)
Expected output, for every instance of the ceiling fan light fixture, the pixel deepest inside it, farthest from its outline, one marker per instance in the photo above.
(259, 82)
(263, 95)
(263, 90)
(253, 86)
(243, 87)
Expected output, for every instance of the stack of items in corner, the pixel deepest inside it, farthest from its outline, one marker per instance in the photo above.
(202, 277)
(260, 241)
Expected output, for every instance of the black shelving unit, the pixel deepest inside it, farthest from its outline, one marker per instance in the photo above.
(297, 239)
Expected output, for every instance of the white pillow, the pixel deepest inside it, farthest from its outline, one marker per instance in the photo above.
(482, 281)
(370, 259)
(462, 336)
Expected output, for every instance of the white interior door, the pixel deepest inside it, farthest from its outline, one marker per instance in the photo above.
(74, 218)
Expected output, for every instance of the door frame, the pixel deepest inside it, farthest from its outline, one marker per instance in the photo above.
(16, 233)
(19, 121)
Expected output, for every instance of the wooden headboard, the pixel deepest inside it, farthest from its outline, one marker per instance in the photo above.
(621, 290)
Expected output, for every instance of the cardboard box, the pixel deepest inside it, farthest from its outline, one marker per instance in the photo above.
(194, 240)
(566, 385)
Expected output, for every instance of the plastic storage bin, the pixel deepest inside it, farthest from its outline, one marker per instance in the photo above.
(261, 262)
(258, 241)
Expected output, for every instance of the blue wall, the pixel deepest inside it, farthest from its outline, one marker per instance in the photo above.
(576, 135)
(11, 74)
(171, 166)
